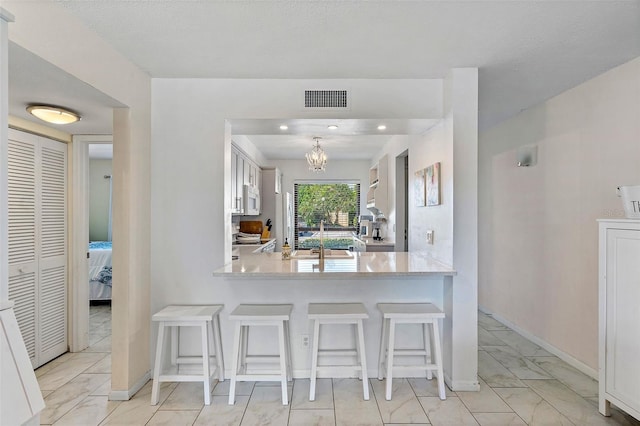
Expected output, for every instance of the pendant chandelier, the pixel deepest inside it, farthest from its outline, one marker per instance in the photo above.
(317, 159)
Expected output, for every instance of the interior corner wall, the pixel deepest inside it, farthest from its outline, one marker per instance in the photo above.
(539, 237)
(99, 188)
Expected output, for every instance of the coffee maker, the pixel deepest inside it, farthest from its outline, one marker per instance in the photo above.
(376, 231)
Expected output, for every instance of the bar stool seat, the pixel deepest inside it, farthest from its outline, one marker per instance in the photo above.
(173, 317)
(260, 315)
(338, 313)
(426, 314)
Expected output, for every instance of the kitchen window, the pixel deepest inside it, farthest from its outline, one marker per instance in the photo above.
(337, 203)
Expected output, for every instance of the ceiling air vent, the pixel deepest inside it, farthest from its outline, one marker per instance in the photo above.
(325, 99)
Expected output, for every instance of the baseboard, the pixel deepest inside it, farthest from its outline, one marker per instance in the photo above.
(461, 385)
(126, 395)
(579, 365)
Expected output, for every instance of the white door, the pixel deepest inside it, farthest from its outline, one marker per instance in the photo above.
(623, 315)
(37, 242)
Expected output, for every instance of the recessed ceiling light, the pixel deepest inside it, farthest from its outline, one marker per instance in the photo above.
(382, 127)
(332, 127)
(53, 114)
(284, 127)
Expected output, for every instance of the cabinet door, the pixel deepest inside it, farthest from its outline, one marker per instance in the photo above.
(623, 315)
(240, 183)
(234, 178)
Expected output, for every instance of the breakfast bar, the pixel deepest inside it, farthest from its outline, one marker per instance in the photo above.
(347, 277)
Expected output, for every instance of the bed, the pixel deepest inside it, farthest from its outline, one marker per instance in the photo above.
(100, 270)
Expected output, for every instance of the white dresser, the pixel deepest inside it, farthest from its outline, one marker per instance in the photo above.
(619, 294)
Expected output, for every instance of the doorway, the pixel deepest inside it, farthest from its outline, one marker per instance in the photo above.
(402, 201)
(100, 249)
(81, 333)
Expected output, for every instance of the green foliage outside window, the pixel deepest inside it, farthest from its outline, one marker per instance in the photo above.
(328, 202)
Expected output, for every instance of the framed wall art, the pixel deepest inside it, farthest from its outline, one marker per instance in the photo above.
(418, 188)
(432, 184)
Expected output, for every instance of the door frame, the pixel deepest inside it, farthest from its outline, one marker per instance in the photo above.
(78, 305)
(402, 196)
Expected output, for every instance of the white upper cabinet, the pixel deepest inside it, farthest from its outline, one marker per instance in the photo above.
(244, 171)
(377, 198)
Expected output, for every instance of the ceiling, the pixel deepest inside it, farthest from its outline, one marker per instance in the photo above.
(354, 139)
(527, 51)
(33, 80)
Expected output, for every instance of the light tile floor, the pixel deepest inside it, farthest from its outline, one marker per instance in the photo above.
(520, 383)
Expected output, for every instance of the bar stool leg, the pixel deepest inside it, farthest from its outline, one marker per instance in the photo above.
(427, 348)
(363, 360)
(392, 337)
(287, 342)
(244, 345)
(314, 360)
(215, 337)
(206, 371)
(383, 347)
(234, 363)
(438, 356)
(155, 388)
(283, 363)
(175, 344)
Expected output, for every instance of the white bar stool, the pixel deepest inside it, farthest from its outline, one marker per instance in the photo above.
(260, 315)
(338, 313)
(175, 316)
(426, 314)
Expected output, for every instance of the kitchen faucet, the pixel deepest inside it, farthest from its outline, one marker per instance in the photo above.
(321, 253)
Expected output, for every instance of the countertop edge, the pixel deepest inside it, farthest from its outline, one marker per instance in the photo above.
(330, 275)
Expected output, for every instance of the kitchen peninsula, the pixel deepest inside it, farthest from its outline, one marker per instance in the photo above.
(366, 277)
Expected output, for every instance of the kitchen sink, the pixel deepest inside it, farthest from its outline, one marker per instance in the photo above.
(328, 254)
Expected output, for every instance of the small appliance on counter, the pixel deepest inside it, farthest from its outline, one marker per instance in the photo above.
(376, 231)
(364, 225)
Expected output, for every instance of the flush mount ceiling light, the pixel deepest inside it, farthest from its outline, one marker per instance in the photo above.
(53, 114)
(332, 127)
(284, 127)
(382, 127)
(317, 159)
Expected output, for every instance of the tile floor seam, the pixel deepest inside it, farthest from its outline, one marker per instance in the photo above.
(244, 411)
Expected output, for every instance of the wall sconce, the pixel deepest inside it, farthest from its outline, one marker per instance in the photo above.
(527, 156)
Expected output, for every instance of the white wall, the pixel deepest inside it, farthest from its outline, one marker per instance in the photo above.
(431, 148)
(538, 241)
(107, 70)
(99, 199)
(189, 193)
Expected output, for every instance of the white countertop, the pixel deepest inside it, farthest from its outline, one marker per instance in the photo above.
(362, 265)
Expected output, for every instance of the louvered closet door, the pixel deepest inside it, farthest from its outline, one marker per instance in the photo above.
(22, 237)
(37, 243)
(53, 250)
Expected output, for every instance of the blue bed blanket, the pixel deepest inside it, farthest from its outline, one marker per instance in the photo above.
(105, 276)
(99, 245)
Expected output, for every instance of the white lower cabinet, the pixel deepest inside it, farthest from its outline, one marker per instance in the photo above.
(619, 294)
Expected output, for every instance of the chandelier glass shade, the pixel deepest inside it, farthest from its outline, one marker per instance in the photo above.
(317, 159)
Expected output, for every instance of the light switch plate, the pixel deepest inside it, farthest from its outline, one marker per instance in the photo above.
(430, 236)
